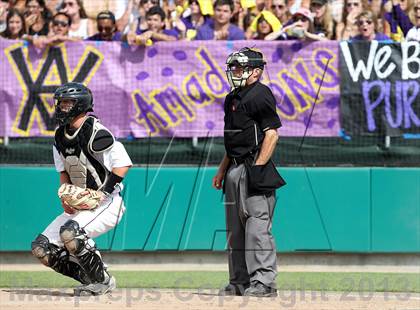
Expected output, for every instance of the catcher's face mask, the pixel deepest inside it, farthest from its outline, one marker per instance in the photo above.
(65, 111)
(71, 100)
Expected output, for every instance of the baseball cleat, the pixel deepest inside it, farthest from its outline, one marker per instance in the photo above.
(96, 288)
(233, 290)
(258, 289)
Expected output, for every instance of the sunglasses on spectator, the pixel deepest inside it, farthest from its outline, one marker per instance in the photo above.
(60, 23)
(106, 29)
(152, 1)
(300, 18)
(278, 6)
(355, 4)
(362, 22)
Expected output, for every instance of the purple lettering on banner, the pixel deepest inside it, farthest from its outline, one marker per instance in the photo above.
(173, 104)
(148, 115)
(409, 114)
(370, 106)
(195, 91)
(398, 107)
(331, 78)
(215, 81)
(297, 87)
(284, 104)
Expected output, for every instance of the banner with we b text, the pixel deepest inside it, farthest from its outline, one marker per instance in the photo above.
(380, 88)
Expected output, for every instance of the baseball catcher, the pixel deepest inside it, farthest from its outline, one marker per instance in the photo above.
(92, 166)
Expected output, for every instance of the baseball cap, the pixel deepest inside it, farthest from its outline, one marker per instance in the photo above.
(320, 2)
(106, 15)
(304, 12)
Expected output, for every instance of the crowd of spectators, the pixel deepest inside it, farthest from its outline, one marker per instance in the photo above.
(142, 22)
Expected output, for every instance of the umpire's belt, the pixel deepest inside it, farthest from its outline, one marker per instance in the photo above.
(240, 160)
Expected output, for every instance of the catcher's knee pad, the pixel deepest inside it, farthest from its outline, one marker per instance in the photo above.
(43, 250)
(72, 236)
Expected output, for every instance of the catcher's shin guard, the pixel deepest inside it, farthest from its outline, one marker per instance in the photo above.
(83, 248)
(58, 259)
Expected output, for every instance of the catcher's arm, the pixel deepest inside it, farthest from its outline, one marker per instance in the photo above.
(65, 178)
(116, 176)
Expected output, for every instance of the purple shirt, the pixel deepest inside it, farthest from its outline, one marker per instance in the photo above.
(188, 23)
(398, 18)
(168, 32)
(206, 32)
(97, 37)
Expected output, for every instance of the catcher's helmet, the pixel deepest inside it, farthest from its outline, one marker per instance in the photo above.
(247, 59)
(77, 92)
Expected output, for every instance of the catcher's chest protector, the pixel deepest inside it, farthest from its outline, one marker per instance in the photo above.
(83, 159)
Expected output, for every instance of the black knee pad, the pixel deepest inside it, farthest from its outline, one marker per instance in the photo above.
(72, 236)
(43, 249)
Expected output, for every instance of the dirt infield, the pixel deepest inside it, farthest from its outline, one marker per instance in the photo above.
(205, 299)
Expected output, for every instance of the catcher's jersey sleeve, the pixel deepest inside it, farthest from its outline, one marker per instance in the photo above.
(58, 161)
(117, 157)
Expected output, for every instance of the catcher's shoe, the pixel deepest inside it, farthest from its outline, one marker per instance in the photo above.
(96, 288)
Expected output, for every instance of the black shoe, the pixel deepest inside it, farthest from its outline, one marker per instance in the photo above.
(233, 290)
(258, 289)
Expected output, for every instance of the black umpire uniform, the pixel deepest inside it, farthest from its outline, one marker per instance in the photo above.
(250, 111)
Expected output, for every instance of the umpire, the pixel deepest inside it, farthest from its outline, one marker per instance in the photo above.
(249, 177)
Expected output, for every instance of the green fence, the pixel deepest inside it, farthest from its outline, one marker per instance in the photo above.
(175, 208)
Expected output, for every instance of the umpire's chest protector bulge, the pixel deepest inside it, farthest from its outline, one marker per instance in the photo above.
(248, 112)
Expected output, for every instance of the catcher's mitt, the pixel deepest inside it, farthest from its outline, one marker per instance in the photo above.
(79, 198)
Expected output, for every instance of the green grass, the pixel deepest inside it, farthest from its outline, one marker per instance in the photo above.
(322, 281)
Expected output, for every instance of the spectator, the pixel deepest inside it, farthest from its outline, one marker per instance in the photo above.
(264, 24)
(323, 21)
(300, 27)
(396, 21)
(59, 33)
(140, 22)
(367, 24)
(4, 7)
(253, 10)
(174, 12)
(53, 6)
(94, 7)
(336, 7)
(348, 27)
(15, 25)
(80, 27)
(36, 18)
(219, 27)
(238, 14)
(280, 10)
(198, 14)
(129, 16)
(107, 29)
(155, 29)
(414, 33)
(19, 5)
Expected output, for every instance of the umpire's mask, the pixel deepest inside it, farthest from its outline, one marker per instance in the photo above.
(240, 65)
